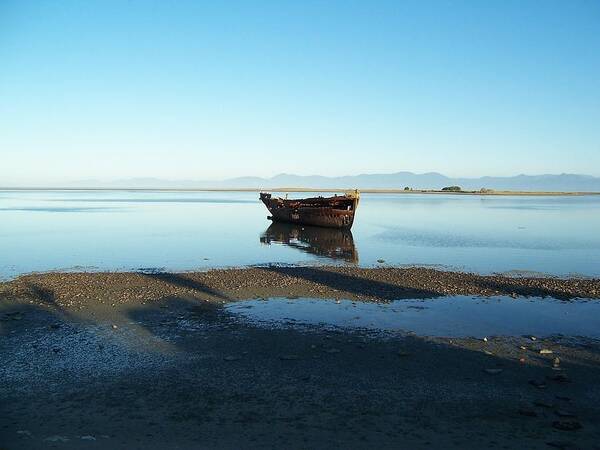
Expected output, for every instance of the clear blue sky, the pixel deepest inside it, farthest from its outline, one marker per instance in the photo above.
(208, 90)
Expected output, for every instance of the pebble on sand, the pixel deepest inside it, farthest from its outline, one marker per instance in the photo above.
(556, 362)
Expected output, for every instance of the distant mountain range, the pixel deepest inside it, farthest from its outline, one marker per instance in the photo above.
(398, 180)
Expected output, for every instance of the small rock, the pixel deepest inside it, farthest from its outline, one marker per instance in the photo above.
(493, 371)
(566, 425)
(545, 351)
(381, 261)
(556, 362)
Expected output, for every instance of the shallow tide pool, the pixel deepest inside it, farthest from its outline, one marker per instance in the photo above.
(457, 316)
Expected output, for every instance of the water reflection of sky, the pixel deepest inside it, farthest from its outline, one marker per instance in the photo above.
(458, 316)
(120, 230)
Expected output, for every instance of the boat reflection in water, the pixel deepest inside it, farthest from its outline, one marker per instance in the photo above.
(324, 242)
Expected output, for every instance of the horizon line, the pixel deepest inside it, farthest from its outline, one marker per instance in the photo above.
(484, 192)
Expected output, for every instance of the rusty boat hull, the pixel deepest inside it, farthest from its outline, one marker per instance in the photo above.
(331, 212)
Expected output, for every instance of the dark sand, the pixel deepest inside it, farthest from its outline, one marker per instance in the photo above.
(132, 360)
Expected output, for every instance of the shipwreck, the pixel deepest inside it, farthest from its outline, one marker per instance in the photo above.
(332, 212)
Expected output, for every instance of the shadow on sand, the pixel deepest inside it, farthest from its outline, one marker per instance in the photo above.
(233, 385)
(185, 282)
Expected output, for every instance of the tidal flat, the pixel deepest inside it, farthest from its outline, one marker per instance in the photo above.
(193, 360)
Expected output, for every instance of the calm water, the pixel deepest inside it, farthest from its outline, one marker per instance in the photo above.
(119, 230)
(458, 316)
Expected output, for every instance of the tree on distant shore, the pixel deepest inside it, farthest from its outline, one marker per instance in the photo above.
(452, 188)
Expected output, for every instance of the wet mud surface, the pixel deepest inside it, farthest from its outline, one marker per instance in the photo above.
(377, 284)
(156, 361)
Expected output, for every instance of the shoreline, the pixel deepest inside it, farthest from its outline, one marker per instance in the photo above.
(301, 189)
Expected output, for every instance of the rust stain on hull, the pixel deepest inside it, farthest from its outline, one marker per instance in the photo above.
(332, 212)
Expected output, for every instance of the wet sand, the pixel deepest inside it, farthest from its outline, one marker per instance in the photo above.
(372, 284)
(153, 360)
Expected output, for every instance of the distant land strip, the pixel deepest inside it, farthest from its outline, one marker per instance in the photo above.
(486, 192)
